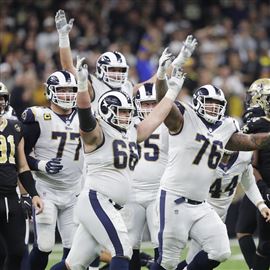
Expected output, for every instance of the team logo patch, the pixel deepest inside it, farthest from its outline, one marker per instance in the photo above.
(47, 116)
(17, 128)
(24, 115)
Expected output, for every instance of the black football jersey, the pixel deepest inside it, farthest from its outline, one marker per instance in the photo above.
(252, 112)
(10, 136)
(256, 125)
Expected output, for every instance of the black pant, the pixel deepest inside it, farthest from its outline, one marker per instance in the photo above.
(12, 230)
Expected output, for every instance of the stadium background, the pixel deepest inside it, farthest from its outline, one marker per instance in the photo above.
(233, 51)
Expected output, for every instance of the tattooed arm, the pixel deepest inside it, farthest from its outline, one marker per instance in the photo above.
(248, 142)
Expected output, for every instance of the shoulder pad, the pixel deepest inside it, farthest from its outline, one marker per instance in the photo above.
(16, 125)
(29, 116)
(251, 125)
(252, 112)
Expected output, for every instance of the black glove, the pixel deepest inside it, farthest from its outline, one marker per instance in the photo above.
(265, 191)
(26, 203)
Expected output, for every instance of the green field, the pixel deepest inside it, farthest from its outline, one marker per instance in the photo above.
(236, 262)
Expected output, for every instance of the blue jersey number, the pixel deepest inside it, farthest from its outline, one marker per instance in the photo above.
(214, 156)
(125, 155)
(63, 137)
(215, 189)
(151, 148)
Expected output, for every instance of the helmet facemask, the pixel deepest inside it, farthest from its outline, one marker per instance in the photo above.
(65, 100)
(116, 108)
(112, 69)
(210, 109)
(115, 79)
(145, 100)
(61, 89)
(121, 117)
(4, 103)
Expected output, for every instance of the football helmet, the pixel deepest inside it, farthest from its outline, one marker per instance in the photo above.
(55, 89)
(116, 108)
(204, 106)
(105, 66)
(145, 93)
(5, 103)
(260, 90)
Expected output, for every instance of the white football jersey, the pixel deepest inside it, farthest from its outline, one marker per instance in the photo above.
(194, 154)
(10, 114)
(224, 186)
(101, 88)
(109, 168)
(153, 155)
(59, 137)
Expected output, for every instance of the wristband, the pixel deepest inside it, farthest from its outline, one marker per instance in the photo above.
(261, 205)
(42, 165)
(64, 41)
(87, 120)
(82, 86)
(161, 73)
(28, 183)
(171, 94)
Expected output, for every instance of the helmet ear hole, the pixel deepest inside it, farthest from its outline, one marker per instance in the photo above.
(105, 110)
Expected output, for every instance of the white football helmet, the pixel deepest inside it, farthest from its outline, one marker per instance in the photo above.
(260, 90)
(5, 103)
(211, 112)
(61, 80)
(105, 69)
(111, 106)
(145, 93)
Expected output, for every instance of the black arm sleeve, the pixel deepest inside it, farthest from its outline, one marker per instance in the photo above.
(31, 133)
(87, 120)
(28, 183)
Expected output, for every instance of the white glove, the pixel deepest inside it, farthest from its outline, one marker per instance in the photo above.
(164, 62)
(186, 51)
(63, 28)
(175, 84)
(82, 74)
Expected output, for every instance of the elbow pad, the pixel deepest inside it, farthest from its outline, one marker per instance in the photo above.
(87, 120)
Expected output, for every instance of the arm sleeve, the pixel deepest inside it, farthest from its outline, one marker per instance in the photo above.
(250, 187)
(31, 133)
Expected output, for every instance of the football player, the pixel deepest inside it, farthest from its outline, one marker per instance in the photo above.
(198, 135)
(53, 149)
(246, 224)
(110, 145)
(253, 108)
(111, 67)
(141, 208)
(234, 168)
(13, 165)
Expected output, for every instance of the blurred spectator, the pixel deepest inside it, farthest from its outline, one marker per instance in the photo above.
(233, 51)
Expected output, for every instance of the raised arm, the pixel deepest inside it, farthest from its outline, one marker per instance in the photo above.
(63, 29)
(90, 130)
(248, 142)
(162, 109)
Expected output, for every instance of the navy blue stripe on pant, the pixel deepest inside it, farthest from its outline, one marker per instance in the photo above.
(106, 222)
(162, 223)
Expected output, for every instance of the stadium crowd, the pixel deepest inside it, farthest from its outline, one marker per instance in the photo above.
(233, 36)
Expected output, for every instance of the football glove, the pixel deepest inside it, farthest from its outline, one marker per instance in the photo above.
(265, 191)
(186, 51)
(62, 26)
(164, 62)
(52, 166)
(82, 74)
(175, 83)
(26, 203)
